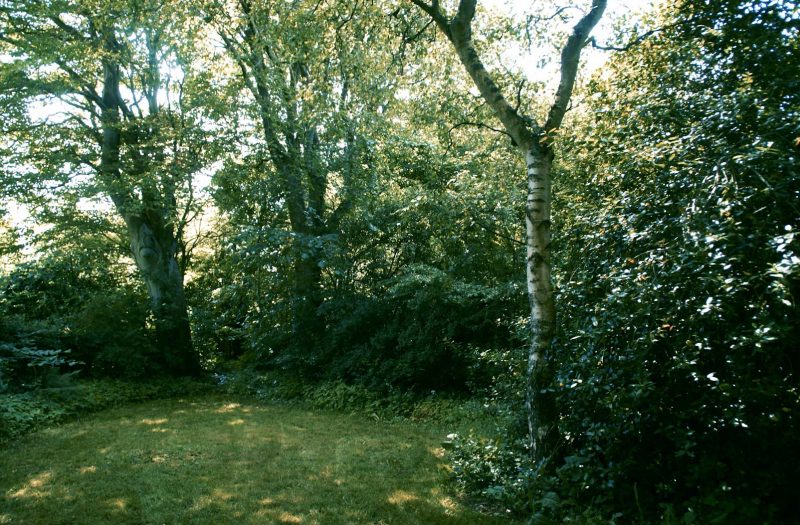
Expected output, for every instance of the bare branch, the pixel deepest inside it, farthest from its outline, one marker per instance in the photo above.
(478, 125)
(435, 12)
(56, 19)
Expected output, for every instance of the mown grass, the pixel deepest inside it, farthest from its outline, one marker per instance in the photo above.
(215, 461)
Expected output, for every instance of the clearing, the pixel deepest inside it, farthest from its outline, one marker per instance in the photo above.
(215, 461)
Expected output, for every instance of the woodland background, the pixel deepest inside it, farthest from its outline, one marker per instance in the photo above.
(307, 200)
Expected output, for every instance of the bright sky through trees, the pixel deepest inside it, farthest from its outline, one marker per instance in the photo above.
(530, 64)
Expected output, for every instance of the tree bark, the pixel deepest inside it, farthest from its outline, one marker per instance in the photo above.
(541, 407)
(294, 148)
(155, 252)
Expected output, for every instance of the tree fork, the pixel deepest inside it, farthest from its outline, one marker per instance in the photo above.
(533, 142)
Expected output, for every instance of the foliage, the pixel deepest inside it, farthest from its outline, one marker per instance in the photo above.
(497, 472)
(104, 130)
(82, 313)
(110, 333)
(364, 248)
(680, 276)
(426, 321)
(23, 412)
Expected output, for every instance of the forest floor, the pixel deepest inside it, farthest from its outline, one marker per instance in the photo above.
(213, 461)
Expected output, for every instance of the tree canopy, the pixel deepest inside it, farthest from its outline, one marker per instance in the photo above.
(381, 200)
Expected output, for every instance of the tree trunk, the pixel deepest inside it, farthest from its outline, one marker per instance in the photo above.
(306, 302)
(155, 253)
(540, 403)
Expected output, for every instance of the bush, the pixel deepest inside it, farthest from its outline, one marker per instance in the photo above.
(90, 318)
(31, 353)
(110, 335)
(495, 470)
(425, 333)
(680, 277)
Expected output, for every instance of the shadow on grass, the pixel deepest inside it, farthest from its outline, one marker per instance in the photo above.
(220, 462)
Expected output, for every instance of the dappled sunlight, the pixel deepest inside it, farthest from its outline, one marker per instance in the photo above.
(398, 497)
(326, 475)
(286, 517)
(282, 516)
(154, 421)
(448, 504)
(273, 465)
(118, 504)
(160, 458)
(217, 496)
(36, 487)
(437, 452)
(222, 495)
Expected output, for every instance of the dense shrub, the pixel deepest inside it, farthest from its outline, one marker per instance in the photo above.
(679, 279)
(69, 311)
(110, 334)
(427, 332)
(678, 274)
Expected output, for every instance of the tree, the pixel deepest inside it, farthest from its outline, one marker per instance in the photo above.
(112, 82)
(315, 72)
(535, 143)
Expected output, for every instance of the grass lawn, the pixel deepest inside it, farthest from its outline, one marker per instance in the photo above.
(215, 461)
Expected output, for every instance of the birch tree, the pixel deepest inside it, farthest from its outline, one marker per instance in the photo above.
(534, 142)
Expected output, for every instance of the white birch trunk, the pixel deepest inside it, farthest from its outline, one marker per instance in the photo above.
(542, 414)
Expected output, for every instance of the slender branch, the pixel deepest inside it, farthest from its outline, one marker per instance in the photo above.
(459, 32)
(478, 125)
(636, 41)
(570, 59)
(56, 19)
(415, 36)
(436, 14)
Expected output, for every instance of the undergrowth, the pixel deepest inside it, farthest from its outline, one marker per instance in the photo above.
(26, 411)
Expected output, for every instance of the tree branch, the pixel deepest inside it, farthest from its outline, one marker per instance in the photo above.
(435, 12)
(636, 41)
(478, 125)
(570, 59)
(459, 32)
